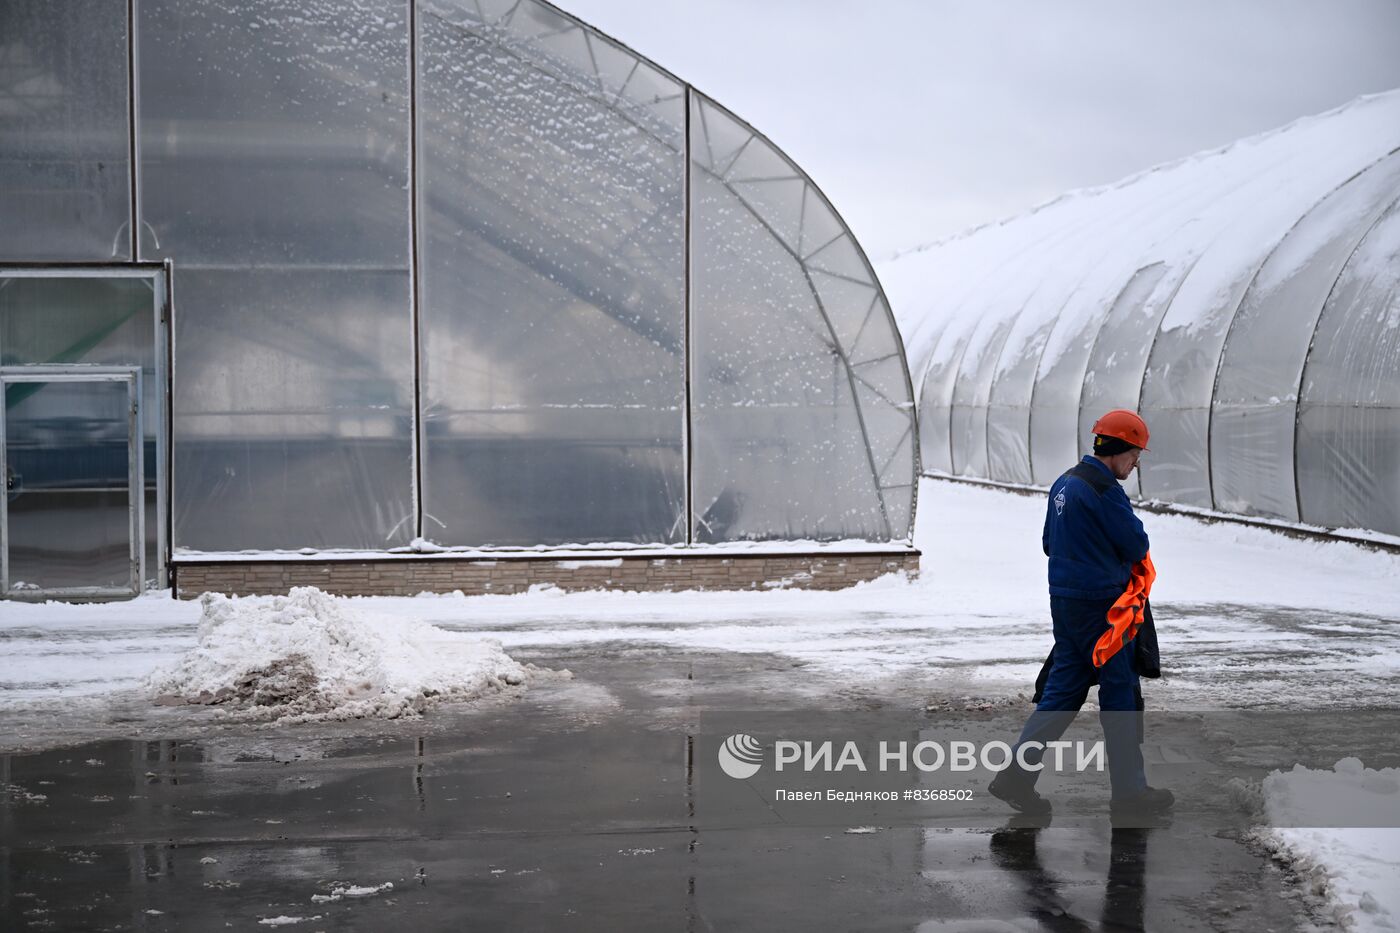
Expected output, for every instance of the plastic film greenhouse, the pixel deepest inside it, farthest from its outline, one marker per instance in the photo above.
(338, 292)
(1246, 301)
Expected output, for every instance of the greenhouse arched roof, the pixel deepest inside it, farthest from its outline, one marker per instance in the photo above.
(1244, 300)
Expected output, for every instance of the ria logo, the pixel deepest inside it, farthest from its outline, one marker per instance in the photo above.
(740, 756)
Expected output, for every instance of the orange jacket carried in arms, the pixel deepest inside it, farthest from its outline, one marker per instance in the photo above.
(1126, 614)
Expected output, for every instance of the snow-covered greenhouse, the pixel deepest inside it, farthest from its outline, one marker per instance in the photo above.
(1246, 301)
(401, 295)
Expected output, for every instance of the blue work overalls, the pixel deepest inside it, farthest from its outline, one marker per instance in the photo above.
(1092, 539)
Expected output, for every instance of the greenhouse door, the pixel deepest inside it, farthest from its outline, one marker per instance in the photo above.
(72, 521)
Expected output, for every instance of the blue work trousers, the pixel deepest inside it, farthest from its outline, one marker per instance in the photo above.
(1078, 625)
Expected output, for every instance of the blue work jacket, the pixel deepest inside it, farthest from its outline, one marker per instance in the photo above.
(1092, 540)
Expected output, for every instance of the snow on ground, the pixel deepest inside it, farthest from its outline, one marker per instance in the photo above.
(309, 656)
(1246, 617)
(1285, 620)
(1354, 868)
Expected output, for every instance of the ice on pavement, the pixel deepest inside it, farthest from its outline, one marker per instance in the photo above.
(1353, 868)
(309, 656)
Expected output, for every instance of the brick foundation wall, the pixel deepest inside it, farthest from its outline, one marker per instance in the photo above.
(410, 576)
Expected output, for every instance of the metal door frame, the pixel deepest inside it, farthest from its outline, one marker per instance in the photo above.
(135, 477)
(160, 273)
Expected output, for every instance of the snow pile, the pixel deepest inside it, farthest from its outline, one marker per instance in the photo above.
(306, 656)
(1353, 868)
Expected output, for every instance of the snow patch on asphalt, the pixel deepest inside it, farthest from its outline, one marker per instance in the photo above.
(284, 920)
(340, 892)
(308, 656)
(1319, 831)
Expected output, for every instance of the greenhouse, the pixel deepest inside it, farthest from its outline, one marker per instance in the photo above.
(1246, 301)
(288, 283)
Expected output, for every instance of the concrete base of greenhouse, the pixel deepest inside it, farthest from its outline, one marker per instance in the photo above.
(516, 574)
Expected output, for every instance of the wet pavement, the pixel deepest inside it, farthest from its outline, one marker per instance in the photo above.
(574, 806)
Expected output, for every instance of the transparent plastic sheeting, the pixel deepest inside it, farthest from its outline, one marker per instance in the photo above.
(802, 428)
(1349, 414)
(1202, 293)
(275, 151)
(64, 147)
(1118, 355)
(552, 177)
(1252, 425)
(83, 321)
(545, 369)
(1182, 367)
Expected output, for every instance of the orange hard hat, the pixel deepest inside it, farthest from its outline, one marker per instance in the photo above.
(1124, 425)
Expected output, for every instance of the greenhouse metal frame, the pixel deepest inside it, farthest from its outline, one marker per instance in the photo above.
(445, 268)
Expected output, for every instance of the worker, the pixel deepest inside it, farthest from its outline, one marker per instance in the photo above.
(1100, 572)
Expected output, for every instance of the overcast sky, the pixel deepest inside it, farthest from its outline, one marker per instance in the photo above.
(920, 118)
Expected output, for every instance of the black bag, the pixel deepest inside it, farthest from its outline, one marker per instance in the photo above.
(1146, 661)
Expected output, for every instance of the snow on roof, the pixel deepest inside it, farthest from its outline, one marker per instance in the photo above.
(1052, 273)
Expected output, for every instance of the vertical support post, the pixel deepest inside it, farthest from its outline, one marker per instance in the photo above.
(133, 111)
(136, 483)
(164, 421)
(687, 443)
(415, 290)
(5, 499)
